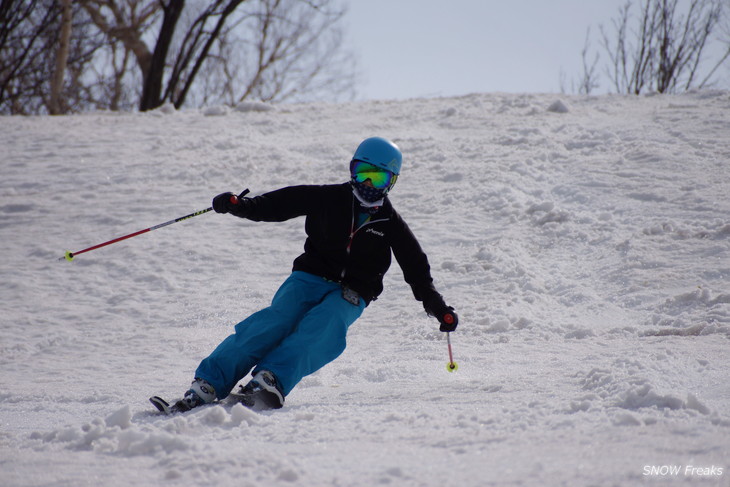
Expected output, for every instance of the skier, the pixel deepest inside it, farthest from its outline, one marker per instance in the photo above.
(351, 230)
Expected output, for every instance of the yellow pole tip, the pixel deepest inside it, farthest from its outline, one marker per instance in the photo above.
(452, 367)
(69, 256)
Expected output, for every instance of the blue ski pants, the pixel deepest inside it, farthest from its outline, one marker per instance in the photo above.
(304, 329)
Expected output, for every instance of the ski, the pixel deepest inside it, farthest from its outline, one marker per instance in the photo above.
(166, 408)
(162, 406)
(260, 394)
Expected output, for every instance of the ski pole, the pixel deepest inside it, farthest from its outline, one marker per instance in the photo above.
(69, 256)
(451, 366)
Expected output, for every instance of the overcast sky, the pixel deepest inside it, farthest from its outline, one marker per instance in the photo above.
(426, 48)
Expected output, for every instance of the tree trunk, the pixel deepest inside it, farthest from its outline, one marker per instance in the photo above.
(152, 89)
(64, 41)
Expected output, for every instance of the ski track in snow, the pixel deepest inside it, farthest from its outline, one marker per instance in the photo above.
(585, 245)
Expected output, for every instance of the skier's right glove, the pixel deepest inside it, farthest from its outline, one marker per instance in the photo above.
(230, 203)
(223, 203)
(448, 319)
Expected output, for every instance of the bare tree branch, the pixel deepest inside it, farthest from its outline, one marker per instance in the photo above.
(191, 48)
(128, 27)
(589, 81)
(152, 51)
(667, 49)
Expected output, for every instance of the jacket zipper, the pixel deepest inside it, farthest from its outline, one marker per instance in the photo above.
(353, 231)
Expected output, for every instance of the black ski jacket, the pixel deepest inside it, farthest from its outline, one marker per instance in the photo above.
(355, 257)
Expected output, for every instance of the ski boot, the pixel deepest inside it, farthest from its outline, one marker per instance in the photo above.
(261, 393)
(200, 393)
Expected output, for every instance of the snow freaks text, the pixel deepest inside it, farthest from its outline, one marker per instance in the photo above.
(682, 470)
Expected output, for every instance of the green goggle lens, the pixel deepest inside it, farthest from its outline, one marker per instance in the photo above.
(379, 178)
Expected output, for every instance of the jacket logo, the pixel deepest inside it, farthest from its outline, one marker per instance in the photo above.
(371, 230)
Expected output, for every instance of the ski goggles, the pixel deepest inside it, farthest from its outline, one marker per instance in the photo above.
(379, 177)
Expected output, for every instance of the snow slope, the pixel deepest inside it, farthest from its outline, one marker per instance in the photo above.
(585, 243)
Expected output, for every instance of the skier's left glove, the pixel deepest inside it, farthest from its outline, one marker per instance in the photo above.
(448, 319)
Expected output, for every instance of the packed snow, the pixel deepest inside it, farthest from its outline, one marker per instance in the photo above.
(584, 242)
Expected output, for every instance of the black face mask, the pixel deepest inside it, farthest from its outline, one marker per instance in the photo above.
(368, 193)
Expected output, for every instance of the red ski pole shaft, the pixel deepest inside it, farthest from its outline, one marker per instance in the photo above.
(448, 342)
(69, 256)
(451, 366)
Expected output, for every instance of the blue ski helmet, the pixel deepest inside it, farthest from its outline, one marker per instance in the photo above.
(380, 152)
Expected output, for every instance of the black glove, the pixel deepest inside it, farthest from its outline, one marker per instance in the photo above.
(448, 319)
(230, 203)
(222, 203)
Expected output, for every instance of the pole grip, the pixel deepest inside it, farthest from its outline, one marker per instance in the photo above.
(234, 199)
